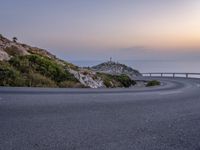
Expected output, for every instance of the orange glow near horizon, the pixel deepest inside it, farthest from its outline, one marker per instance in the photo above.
(108, 25)
(176, 30)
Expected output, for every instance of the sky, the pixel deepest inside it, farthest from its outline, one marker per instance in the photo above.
(100, 29)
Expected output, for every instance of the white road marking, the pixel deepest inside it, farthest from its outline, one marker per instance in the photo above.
(170, 92)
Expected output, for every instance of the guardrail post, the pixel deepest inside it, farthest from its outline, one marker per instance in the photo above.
(165, 74)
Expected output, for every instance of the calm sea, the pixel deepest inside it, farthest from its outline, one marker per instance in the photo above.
(153, 65)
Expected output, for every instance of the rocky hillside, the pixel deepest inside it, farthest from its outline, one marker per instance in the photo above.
(23, 65)
(9, 49)
(114, 68)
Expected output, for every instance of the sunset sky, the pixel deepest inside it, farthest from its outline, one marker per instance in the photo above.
(98, 29)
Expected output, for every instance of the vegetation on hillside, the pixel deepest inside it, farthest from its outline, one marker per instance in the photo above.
(35, 71)
(112, 81)
(152, 83)
(23, 65)
(9, 76)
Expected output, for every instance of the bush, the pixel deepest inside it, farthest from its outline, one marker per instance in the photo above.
(124, 80)
(37, 80)
(10, 76)
(112, 81)
(21, 63)
(70, 84)
(38, 71)
(153, 83)
(71, 66)
(43, 66)
(108, 83)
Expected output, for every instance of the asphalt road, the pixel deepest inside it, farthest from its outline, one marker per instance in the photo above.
(158, 118)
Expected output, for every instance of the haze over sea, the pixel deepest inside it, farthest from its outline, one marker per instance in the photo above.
(191, 66)
(148, 35)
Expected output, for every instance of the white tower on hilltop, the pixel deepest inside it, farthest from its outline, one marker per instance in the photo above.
(110, 59)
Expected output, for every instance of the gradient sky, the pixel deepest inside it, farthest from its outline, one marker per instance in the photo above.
(98, 29)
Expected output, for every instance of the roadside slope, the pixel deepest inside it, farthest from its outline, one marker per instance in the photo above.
(24, 65)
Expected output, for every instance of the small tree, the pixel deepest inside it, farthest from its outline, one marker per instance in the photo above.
(15, 39)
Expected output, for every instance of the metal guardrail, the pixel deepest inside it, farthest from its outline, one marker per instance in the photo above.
(173, 74)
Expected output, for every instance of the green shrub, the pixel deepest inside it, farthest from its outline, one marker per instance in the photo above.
(71, 66)
(20, 63)
(37, 80)
(43, 66)
(153, 83)
(124, 80)
(108, 83)
(112, 81)
(9, 76)
(36, 71)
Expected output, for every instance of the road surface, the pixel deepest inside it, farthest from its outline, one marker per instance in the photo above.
(165, 117)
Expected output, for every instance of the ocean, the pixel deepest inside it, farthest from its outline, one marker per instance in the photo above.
(145, 66)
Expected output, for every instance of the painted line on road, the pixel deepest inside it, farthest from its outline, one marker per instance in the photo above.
(170, 92)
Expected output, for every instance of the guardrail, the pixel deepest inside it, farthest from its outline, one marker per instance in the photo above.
(167, 74)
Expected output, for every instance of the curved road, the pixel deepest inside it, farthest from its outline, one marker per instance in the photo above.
(165, 117)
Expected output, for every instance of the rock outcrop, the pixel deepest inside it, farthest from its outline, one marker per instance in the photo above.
(3, 55)
(88, 78)
(9, 48)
